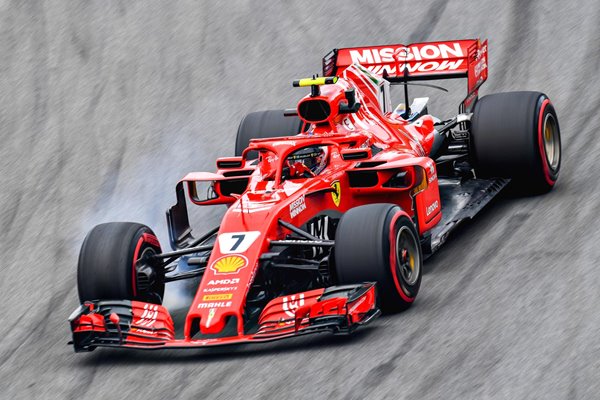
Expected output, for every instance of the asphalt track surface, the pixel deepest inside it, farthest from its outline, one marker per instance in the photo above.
(105, 104)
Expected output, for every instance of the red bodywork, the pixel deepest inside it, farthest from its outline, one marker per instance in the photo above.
(368, 149)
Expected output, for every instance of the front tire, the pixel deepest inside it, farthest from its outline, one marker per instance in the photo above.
(107, 269)
(379, 242)
(516, 135)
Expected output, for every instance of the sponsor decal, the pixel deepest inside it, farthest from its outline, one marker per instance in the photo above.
(469, 100)
(232, 281)
(481, 52)
(144, 331)
(413, 53)
(427, 58)
(320, 228)
(211, 315)
(220, 289)
(291, 305)
(215, 304)
(236, 242)
(431, 208)
(272, 158)
(480, 66)
(291, 143)
(348, 124)
(336, 195)
(430, 167)
(251, 278)
(214, 297)
(229, 264)
(297, 206)
(148, 317)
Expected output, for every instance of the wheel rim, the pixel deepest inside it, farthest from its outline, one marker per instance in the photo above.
(551, 142)
(407, 256)
(148, 251)
(144, 287)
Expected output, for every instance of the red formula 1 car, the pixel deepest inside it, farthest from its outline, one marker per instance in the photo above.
(332, 206)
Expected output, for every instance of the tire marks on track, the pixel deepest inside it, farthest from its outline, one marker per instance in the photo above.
(385, 369)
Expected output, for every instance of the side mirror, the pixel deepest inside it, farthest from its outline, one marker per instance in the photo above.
(202, 191)
(356, 154)
(230, 162)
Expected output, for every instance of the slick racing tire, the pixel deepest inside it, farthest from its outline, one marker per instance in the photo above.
(262, 125)
(107, 268)
(516, 135)
(379, 243)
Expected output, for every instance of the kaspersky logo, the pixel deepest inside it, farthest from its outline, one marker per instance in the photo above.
(229, 264)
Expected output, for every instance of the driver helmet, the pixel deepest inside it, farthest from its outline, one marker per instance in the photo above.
(313, 158)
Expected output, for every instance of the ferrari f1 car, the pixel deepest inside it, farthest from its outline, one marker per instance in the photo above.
(332, 206)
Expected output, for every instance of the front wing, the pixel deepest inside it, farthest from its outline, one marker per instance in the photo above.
(139, 325)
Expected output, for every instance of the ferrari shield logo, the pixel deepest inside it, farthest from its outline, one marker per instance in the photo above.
(229, 264)
(336, 196)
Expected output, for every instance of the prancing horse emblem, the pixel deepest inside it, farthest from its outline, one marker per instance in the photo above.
(336, 195)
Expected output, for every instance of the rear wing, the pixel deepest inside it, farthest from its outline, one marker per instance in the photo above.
(419, 61)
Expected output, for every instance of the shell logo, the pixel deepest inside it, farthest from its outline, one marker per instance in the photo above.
(229, 264)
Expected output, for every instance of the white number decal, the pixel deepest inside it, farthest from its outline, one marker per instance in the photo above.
(236, 242)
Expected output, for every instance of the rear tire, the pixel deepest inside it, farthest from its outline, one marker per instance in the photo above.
(107, 270)
(516, 135)
(262, 125)
(379, 243)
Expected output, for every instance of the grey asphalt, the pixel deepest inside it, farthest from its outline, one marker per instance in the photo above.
(104, 105)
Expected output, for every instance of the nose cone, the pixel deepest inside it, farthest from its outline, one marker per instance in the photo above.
(218, 307)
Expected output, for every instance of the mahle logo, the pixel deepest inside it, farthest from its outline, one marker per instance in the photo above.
(229, 264)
